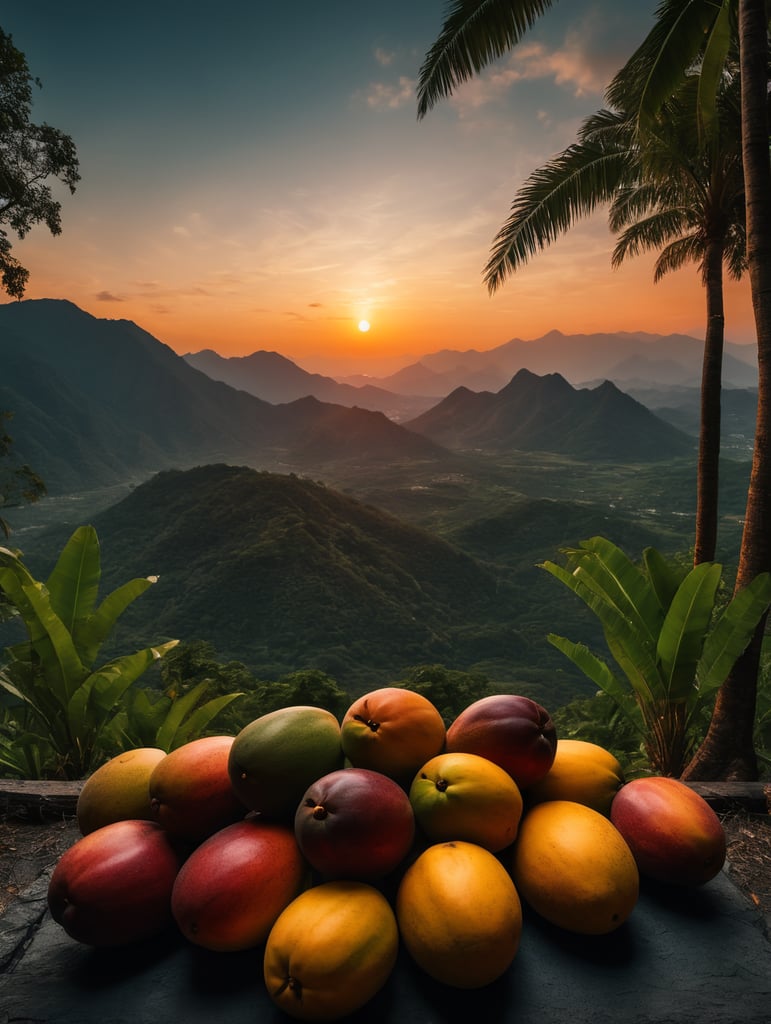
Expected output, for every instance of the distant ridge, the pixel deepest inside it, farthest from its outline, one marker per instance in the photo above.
(623, 357)
(276, 379)
(545, 413)
(98, 402)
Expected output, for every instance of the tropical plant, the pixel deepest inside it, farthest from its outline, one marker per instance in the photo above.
(168, 720)
(664, 629)
(66, 710)
(29, 154)
(478, 31)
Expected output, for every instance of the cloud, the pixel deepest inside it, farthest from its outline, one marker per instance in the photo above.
(384, 57)
(391, 96)
(581, 64)
(108, 297)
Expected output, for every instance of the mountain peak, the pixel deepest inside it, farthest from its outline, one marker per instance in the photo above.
(547, 413)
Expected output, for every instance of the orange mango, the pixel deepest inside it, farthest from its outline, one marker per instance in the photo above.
(459, 914)
(573, 867)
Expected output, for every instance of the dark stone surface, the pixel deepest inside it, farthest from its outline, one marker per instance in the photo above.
(684, 956)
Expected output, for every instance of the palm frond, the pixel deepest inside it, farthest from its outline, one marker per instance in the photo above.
(653, 232)
(554, 197)
(474, 33)
(688, 249)
(657, 68)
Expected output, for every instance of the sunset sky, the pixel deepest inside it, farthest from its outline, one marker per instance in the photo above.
(254, 177)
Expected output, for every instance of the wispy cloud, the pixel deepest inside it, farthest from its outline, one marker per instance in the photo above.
(568, 67)
(391, 95)
(582, 64)
(384, 57)
(105, 296)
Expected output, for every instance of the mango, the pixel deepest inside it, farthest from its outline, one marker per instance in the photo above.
(583, 772)
(232, 887)
(277, 756)
(393, 731)
(465, 796)
(573, 867)
(118, 790)
(355, 824)
(331, 950)
(514, 732)
(459, 914)
(113, 886)
(190, 791)
(673, 833)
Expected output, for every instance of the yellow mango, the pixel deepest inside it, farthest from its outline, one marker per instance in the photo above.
(331, 950)
(118, 790)
(583, 772)
(574, 868)
(459, 914)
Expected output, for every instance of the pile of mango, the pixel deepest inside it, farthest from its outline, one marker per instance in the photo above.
(326, 845)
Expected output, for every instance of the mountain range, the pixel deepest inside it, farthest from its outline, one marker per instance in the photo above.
(626, 358)
(96, 402)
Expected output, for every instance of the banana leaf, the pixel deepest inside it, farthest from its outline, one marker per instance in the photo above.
(169, 735)
(684, 629)
(91, 633)
(631, 648)
(51, 640)
(598, 671)
(199, 720)
(625, 583)
(94, 701)
(73, 585)
(664, 577)
(732, 632)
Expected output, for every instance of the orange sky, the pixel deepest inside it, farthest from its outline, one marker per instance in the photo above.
(236, 203)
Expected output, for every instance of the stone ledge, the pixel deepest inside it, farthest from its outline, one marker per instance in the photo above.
(38, 798)
(47, 799)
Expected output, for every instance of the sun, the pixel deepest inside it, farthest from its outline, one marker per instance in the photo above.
(364, 326)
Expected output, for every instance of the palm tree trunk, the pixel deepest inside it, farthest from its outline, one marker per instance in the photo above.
(707, 478)
(728, 749)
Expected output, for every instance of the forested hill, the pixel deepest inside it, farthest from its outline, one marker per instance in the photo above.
(284, 573)
(547, 413)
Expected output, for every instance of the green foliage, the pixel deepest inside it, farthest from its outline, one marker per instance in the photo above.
(169, 720)
(18, 483)
(29, 154)
(64, 705)
(450, 691)
(193, 668)
(663, 628)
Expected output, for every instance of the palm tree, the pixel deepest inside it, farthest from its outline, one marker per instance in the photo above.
(478, 31)
(694, 205)
(665, 193)
(728, 750)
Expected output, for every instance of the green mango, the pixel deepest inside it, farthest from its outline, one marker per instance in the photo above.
(275, 758)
